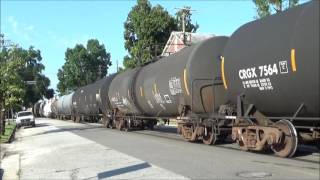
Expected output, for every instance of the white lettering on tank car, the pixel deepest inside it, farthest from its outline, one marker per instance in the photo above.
(164, 108)
(150, 104)
(261, 84)
(268, 70)
(175, 85)
(158, 98)
(260, 76)
(126, 102)
(167, 98)
(247, 73)
(283, 67)
(119, 104)
(114, 99)
(264, 71)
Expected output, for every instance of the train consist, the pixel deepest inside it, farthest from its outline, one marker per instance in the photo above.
(261, 86)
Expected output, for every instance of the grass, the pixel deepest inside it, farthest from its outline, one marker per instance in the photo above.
(9, 130)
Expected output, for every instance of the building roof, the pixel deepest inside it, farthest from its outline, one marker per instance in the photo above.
(175, 42)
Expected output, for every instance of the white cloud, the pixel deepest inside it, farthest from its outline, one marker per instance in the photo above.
(68, 41)
(29, 28)
(21, 29)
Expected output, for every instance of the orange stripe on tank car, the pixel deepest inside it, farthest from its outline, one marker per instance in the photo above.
(222, 73)
(293, 60)
(155, 88)
(185, 81)
(141, 92)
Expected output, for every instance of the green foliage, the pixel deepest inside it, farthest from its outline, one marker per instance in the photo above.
(32, 71)
(267, 7)
(11, 83)
(9, 129)
(19, 65)
(147, 30)
(83, 66)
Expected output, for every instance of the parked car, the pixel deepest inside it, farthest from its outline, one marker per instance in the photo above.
(25, 118)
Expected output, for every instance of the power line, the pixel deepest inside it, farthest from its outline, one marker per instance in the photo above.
(4, 43)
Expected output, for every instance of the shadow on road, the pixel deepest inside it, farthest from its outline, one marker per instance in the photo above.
(166, 129)
(304, 150)
(64, 129)
(170, 132)
(37, 125)
(124, 170)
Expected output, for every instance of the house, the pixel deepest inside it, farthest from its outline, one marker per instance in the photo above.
(176, 41)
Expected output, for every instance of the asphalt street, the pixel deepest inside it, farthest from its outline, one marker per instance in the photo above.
(166, 149)
(65, 149)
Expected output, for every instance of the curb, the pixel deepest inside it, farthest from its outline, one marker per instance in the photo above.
(3, 150)
(12, 135)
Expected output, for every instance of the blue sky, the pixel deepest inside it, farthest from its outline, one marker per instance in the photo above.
(52, 26)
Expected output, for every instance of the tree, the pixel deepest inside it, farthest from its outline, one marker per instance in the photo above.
(17, 66)
(32, 71)
(83, 66)
(147, 30)
(11, 84)
(267, 7)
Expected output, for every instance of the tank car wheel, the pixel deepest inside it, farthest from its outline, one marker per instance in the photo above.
(109, 124)
(189, 133)
(186, 132)
(142, 126)
(318, 145)
(151, 124)
(119, 124)
(106, 123)
(127, 125)
(289, 141)
(209, 138)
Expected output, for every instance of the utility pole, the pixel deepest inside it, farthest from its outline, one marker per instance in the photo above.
(117, 66)
(185, 12)
(4, 43)
(99, 73)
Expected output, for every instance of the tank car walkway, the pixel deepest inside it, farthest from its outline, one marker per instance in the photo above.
(65, 150)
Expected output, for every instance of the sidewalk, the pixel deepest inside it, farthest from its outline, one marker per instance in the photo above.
(9, 162)
(47, 152)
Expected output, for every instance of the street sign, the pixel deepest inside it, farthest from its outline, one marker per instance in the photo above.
(31, 82)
